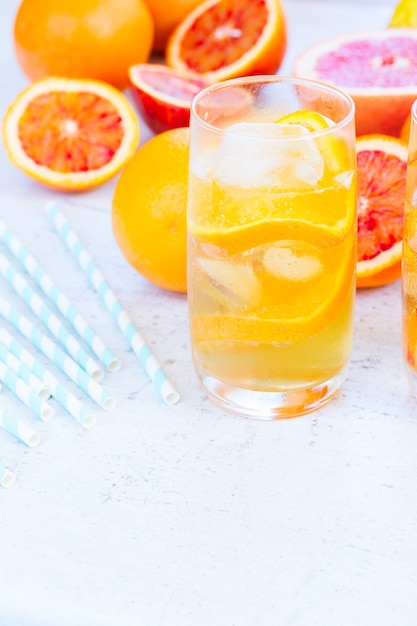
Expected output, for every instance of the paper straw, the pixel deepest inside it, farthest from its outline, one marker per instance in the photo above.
(53, 352)
(24, 393)
(24, 373)
(7, 478)
(19, 429)
(59, 299)
(65, 397)
(113, 305)
(52, 322)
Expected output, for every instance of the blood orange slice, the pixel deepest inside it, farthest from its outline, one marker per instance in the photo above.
(163, 95)
(70, 134)
(377, 68)
(222, 39)
(382, 166)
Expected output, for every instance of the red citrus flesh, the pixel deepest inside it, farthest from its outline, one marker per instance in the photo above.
(84, 136)
(162, 95)
(377, 68)
(380, 202)
(382, 169)
(223, 39)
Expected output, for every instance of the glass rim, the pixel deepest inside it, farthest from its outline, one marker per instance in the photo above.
(273, 78)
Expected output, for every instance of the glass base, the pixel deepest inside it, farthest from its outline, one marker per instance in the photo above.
(411, 378)
(271, 405)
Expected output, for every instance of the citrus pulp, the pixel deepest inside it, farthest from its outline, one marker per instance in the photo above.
(377, 68)
(222, 39)
(70, 134)
(380, 208)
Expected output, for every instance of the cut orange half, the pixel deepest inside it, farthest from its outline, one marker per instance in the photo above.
(70, 134)
(222, 39)
(382, 168)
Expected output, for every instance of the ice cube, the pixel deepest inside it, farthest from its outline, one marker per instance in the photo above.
(238, 282)
(345, 178)
(249, 155)
(284, 260)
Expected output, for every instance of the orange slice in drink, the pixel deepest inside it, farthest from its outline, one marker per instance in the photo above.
(70, 134)
(299, 258)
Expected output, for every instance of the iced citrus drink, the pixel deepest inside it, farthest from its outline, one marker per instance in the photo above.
(409, 259)
(271, 244)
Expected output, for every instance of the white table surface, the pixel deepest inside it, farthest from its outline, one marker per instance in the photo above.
(182, 515)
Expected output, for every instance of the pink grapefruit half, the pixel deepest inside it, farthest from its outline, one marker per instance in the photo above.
(377, 68)
(163, 95)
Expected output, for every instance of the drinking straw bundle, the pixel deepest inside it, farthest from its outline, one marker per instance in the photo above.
(113, 305)
(25, 376)
(59, 299)
(7, 478)
(65, 397)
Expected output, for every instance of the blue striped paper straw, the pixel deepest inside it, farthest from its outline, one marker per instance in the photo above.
(113, 305)
(53, 352)
(25, 394)
(61, 394)
(7, 478)
(59, 299)
(24, 373)
(48, 318)
(19, 429)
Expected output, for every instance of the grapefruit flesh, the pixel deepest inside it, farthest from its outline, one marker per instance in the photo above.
(162, 95)
(380, 208)
(377, 68)
(223, 39)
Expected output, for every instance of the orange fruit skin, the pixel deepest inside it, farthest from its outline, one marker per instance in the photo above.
(384, 277)
(149, 209)
(163, 110)
(265, 59)
(97, 39)
(382, 114)
(167, 14)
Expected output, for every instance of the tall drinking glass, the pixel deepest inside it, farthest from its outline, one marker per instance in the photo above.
(409, 260)
(271, 243)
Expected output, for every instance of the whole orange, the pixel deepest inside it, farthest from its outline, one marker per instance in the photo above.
(97, 39)
(167, 14)
(149, 209)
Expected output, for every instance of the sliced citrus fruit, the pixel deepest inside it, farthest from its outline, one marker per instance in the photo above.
(311, 120)
(382, 168)
(222, 39)
(377, 68)
(299, 268)
(70, 134)
(332, 148)
(163, 95)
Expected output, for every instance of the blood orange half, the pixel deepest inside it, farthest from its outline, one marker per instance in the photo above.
(163, 95)
(222, 39)
(377, 68)
(382, 167)
(70, 134)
